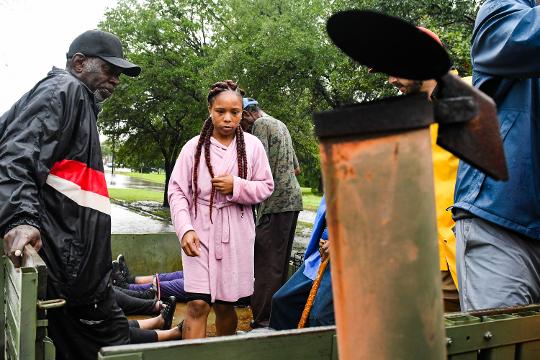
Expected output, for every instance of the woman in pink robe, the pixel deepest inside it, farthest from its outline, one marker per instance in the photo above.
(216, 227)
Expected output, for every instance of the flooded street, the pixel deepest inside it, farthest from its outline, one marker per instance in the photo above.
(301, 239)
(119, 181)
(127, 221)
(307, 216)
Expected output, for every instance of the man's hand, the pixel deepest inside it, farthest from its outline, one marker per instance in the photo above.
(190, 244)
(17, 238)
(324, 249)
(224, 184)
(297, 171)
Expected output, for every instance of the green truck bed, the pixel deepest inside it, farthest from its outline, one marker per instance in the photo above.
(505, 334)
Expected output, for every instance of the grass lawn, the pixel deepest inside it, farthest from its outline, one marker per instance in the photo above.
(153, 177)
(131, 195)
(311, 201)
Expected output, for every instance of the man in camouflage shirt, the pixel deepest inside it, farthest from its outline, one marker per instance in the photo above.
(277, 215)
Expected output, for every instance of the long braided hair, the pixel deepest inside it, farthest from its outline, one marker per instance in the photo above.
(204, 140)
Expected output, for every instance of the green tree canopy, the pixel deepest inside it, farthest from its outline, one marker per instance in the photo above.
(277, 50)
(280, 53)
(165, 106)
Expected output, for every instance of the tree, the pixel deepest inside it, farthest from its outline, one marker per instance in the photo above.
(147, 157)
(277, 50)
(164, 107)
(106, 148)
(451, 20)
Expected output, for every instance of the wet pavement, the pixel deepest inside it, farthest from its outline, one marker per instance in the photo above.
(127, 221)
(301, 239)
(307, 216)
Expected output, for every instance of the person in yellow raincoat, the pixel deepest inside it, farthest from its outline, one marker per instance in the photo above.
(444, 172)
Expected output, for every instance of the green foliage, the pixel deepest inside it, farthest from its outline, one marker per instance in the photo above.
(106, 148)
(137, 153)
(164, 107)
(280, 53)
(452, 21)
(277, 50)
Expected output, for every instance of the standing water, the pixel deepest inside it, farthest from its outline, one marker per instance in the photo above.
(127, 221)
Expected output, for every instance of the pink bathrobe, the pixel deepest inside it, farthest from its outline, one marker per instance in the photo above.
(225, 267)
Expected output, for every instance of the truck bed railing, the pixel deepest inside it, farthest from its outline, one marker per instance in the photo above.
(493, 334)
(22, 309)
(501, 334)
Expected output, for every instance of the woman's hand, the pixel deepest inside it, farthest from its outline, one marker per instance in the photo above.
(190, 243)
(224, 184)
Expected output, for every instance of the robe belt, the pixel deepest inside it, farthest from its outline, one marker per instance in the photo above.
(219, 217)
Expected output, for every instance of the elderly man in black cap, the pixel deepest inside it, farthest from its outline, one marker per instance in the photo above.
(53, 193)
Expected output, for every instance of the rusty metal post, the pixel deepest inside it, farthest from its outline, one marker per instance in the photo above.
(378, 179)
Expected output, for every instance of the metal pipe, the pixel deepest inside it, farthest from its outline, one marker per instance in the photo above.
(381, 219)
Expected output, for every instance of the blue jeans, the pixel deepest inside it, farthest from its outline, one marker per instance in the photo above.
(289, 301)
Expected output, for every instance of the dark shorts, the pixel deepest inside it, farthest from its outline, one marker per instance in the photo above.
(450, 292)
(141, 336)
(207, 299)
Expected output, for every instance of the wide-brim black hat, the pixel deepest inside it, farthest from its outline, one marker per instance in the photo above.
(105, 46)
(388, 44)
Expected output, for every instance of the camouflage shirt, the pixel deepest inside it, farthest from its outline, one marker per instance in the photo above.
(277, 142)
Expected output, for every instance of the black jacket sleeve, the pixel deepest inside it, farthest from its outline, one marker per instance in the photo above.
(35, 129)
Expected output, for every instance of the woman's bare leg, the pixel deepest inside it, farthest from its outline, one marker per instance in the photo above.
(195, 321)
(226, 319)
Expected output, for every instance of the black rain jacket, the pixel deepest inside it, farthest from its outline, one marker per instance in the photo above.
(51, 177)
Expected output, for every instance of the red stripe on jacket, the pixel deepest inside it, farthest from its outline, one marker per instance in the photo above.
(79, 173)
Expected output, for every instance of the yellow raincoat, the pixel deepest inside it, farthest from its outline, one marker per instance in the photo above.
(444, 170)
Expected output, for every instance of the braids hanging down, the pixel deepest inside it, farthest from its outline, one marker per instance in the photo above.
(206, 126)
(204, 140)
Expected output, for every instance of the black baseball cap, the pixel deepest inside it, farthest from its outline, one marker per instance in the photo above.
(105, 46)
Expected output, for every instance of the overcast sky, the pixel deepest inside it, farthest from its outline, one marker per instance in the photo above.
(35, 35)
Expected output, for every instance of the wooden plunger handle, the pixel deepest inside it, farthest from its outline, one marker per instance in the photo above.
(312, 293)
